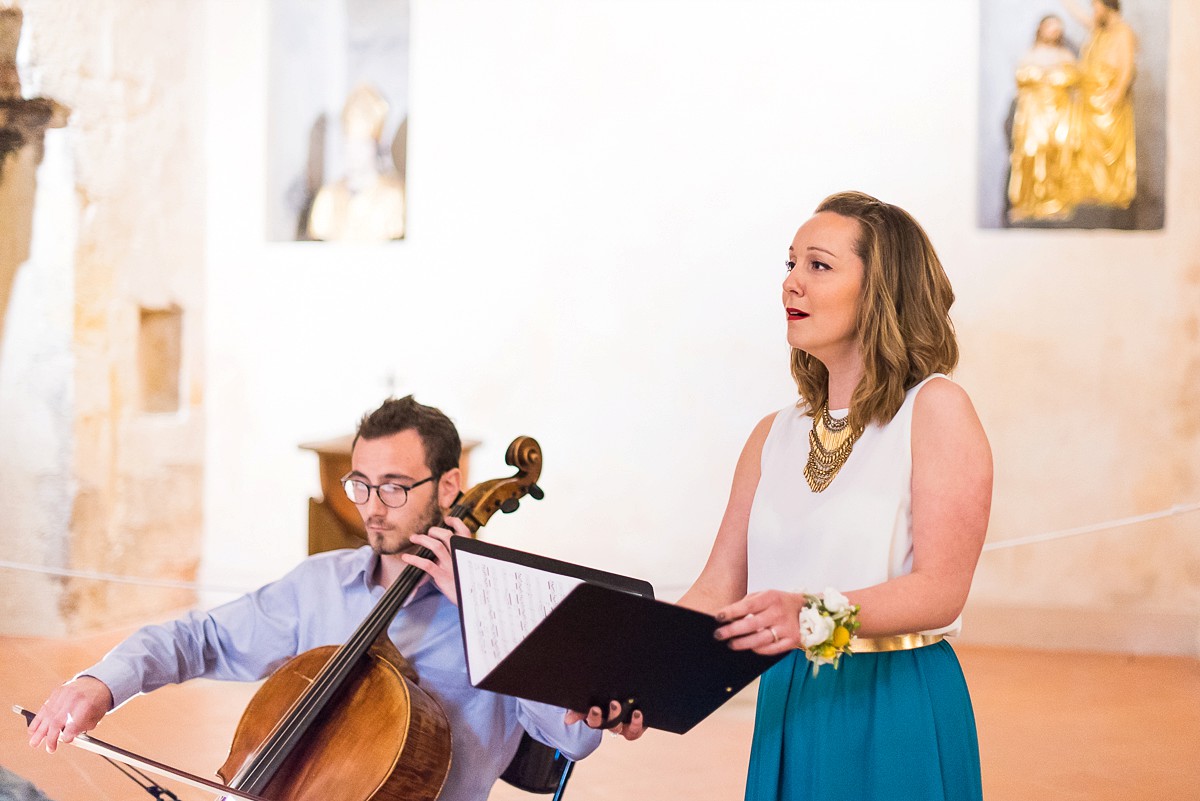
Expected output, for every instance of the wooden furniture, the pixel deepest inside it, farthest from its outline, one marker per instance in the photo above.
(333, 520)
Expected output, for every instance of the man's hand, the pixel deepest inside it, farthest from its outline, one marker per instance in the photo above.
(594, 718)
(440, 568)
(72, 709)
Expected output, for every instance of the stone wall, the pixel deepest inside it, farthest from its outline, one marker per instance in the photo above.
(125, 496)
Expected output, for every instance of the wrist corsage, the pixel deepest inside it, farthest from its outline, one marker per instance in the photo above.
(827, 623)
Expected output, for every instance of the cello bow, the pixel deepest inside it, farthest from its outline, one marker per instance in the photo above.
(98, 746)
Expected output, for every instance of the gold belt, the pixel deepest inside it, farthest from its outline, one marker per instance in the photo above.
(898, 642)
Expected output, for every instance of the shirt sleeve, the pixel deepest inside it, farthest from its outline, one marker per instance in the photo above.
(243, 640)
(545, 724)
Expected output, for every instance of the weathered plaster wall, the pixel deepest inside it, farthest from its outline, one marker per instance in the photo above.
(132, 71)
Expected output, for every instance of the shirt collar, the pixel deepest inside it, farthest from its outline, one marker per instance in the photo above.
(367, 560)
(362, 566)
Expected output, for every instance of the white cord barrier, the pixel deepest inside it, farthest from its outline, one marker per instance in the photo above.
(118, 579)
(1177, 509)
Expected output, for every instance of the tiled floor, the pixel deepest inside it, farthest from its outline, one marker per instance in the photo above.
(1055, 726)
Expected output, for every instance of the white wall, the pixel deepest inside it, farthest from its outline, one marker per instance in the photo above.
(600, 199)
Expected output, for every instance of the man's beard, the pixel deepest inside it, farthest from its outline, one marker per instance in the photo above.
(431, 516)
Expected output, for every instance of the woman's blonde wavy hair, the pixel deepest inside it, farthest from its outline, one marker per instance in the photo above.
(904, 329)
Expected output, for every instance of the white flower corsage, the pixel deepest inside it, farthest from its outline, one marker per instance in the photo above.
(827, 623)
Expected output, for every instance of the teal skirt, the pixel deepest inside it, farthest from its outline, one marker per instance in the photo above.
(896, 725)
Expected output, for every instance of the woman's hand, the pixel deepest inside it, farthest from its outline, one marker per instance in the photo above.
(765, 622)
(441, 567)
(72, 709)
(595, 719)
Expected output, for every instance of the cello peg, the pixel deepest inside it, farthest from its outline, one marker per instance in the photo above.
(509, 505)
(535, 492)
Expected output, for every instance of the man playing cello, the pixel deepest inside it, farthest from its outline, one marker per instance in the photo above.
(404, 480)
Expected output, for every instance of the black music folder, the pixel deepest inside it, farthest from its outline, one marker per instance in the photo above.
(574, 637)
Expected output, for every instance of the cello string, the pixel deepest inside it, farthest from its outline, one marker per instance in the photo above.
(331, 677)
(283, 737)
(298, 719)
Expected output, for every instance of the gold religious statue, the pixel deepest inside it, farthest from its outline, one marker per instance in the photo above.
(1040, 185)
(1105, 158)
(367, 204)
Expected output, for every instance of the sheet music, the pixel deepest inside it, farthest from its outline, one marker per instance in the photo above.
(501, 603)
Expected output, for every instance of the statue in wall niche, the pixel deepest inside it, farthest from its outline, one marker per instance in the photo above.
(1106, 162)
(1039, 185)
(23, 124)
(1072, 138)
(367, 203)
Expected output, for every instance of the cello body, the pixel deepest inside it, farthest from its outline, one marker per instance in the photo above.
(386, 738)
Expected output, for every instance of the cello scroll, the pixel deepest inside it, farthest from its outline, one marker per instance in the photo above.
(477, 505)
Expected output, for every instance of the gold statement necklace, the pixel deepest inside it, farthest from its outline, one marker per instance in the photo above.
(829, 446)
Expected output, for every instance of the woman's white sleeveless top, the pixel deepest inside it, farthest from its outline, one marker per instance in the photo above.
(855, 534)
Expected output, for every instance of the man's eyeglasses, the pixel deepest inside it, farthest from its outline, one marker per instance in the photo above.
(391, 494)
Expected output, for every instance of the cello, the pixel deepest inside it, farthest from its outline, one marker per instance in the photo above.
(351, 721)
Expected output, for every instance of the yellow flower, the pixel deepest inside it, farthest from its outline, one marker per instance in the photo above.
(841, 636)
(828, 651)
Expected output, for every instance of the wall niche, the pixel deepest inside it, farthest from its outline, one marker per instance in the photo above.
(160, 358)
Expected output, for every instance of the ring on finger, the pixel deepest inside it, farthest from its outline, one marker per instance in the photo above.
(774, 635)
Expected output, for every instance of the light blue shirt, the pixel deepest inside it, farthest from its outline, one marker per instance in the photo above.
(321, 602)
